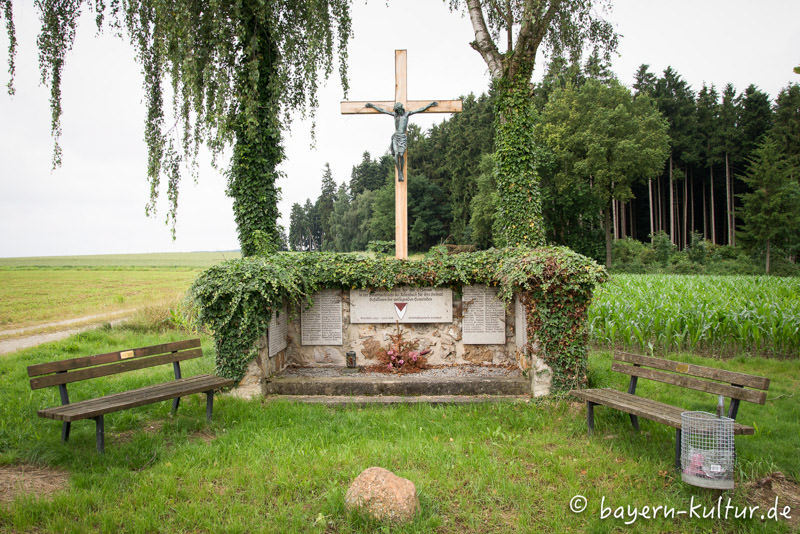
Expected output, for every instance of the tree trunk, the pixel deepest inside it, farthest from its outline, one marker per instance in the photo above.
(623, 221)
(767, 256)
(518, 221)
(257, 151)
(705, 214)
(607, 225)
(650, 204)
(729, 202)
(671, 205)
(614, 218)
(686, 210)
(692, 224)
(659, 206)
(713, 214)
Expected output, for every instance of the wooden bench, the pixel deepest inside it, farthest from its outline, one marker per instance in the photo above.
(708, 379)
(62, 372)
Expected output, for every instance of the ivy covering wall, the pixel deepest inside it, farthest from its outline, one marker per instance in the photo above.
(236, 299)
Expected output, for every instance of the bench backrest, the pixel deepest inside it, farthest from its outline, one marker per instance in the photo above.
(717, 381)
(67, 371)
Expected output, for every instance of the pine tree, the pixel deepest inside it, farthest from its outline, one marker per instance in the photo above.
(729, 145)
(324, 208)
(771, 212)
(786, 127)
(707, 122)
(675, 99)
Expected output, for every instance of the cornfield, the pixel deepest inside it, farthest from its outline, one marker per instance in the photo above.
(716, 314)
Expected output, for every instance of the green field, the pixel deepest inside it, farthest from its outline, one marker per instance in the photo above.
(154, 260)
(36, 291)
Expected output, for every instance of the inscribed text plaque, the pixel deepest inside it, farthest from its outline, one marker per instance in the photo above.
(402, 304)
(484, 321)
(321, 324)
(277, 332)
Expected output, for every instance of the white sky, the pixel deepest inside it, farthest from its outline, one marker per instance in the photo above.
(94, 203)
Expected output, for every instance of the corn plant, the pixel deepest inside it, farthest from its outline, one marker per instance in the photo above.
(717, 314)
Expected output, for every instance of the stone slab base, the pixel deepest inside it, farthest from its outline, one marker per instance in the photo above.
(404, 385)
(371, 400)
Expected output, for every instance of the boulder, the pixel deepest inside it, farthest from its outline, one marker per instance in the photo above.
(383, 495)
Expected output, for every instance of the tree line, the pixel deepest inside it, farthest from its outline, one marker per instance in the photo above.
(613, 162)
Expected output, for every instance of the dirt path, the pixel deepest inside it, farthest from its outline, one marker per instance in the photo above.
(87, 322)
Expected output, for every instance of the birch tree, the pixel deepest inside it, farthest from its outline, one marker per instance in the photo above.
(509, 34)
(238, 69)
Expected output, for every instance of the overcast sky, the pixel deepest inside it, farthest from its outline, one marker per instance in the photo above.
(94, 203)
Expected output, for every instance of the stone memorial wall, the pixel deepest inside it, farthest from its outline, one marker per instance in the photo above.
(474, 327)
(471, 328)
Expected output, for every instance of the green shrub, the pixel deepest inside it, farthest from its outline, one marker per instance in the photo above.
(663, 247)
(627, 250)
(697, 249)
(381, 248)
(681, 264)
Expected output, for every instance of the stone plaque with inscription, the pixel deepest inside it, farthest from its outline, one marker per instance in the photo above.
(276, 331)
(321, 324)
(402, 304)
(484, 321)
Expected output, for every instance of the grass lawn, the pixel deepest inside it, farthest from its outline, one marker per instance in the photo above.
(281, 467)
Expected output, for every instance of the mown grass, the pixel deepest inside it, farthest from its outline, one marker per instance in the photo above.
(281, 467)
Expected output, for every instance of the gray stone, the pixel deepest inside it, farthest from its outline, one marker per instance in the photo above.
(383, 495)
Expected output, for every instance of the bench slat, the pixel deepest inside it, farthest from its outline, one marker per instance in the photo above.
(110, 357)
(133, 398)
(749, 395)
(722, 375)
(114, 368)
(643, 407)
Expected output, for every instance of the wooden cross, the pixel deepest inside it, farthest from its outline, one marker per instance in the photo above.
(401, 186)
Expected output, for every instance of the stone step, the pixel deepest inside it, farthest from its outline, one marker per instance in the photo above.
(397, 385)
(371, 400)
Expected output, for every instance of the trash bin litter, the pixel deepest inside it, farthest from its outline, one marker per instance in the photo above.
(707, 450)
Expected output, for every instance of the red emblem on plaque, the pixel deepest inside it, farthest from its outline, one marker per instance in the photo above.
(400, 308)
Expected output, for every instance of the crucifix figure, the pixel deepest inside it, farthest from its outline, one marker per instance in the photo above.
(399, 139)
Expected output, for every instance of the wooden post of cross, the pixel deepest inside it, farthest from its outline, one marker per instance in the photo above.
(401, 185)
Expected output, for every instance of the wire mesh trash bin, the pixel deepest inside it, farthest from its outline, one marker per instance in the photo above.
(707, 450)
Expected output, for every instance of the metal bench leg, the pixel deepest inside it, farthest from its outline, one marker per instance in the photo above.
(590, 416)
(101, 435)
(634, 422)
(209, 404)
(678, 449)
(65, 426)
(175, 402)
